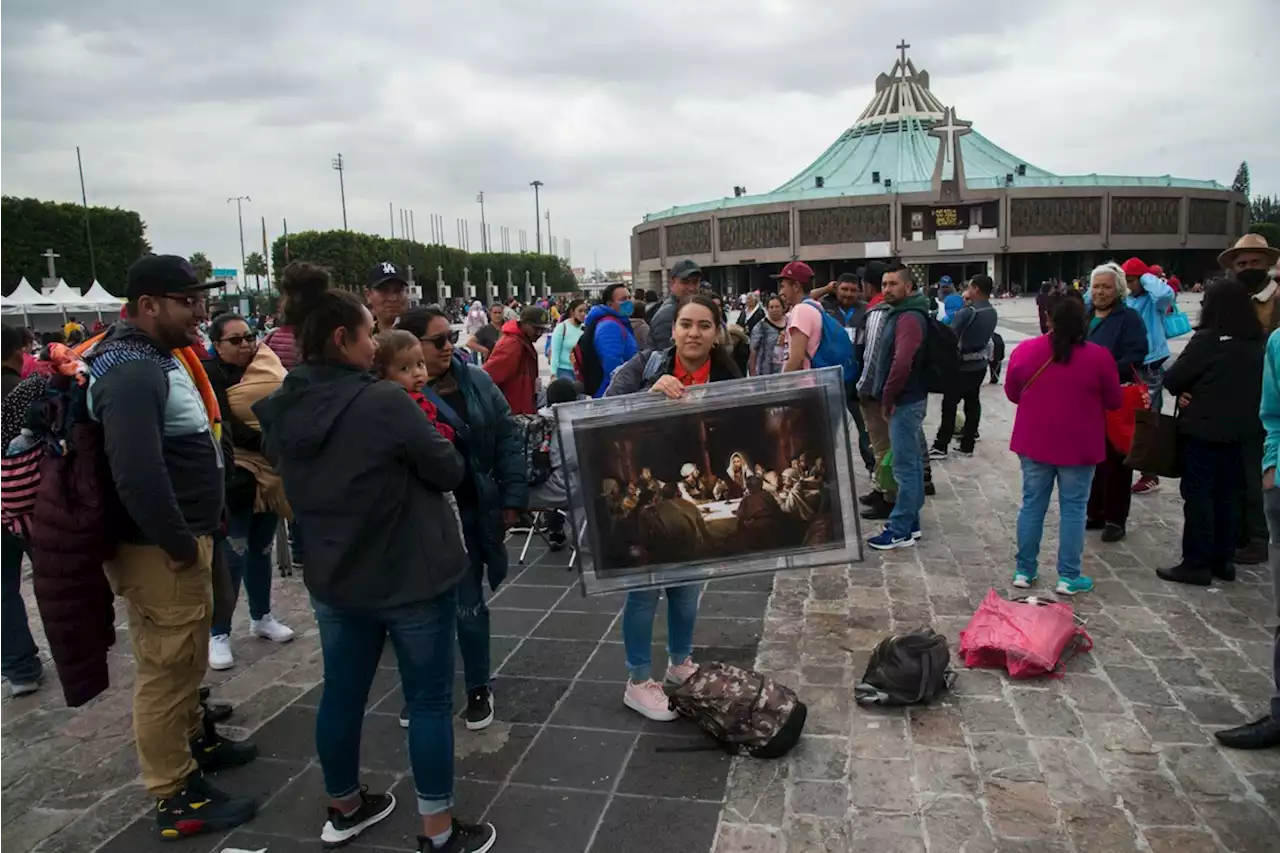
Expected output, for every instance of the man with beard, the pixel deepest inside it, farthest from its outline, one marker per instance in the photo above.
(1248, 260)
(161, 446)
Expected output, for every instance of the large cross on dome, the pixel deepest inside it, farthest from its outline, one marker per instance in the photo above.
(902, 47)
(948, 129)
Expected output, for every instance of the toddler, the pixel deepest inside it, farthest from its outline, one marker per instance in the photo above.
(399, 360)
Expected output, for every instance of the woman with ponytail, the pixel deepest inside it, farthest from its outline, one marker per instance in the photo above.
(1062, 387)
(366, 475)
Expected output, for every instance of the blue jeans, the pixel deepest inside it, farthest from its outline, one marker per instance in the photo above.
(351, 642)
(18, 654)
(908, 466)
(1153, 375)
(637, 627)
(248, 551)
(473, 613)
(1074, 482)
(566, 373)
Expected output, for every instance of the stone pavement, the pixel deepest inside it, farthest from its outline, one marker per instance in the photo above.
(1116, 756)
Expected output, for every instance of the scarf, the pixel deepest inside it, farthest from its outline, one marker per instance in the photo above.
(261, 378)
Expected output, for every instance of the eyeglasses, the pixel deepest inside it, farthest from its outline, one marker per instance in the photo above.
(238, 340)
(438, 341)
(184, 299)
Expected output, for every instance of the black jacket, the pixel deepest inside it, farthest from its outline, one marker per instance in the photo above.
(1123, 334)
(1223, 375)
(644, 369)
(365, 472)
(242, 488)
(166, 465)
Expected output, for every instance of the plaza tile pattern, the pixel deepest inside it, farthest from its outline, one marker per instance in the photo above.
(1116, 756)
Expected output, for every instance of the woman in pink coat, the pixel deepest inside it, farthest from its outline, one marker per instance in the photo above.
(1062, 387)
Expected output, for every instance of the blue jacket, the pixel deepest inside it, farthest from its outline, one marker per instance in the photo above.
(1269, 409)
(1122, 334)
(1151, 306)
(614, 342)
(495, 462)
(953, 303)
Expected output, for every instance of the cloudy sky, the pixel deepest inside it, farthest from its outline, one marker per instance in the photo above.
(619, 107)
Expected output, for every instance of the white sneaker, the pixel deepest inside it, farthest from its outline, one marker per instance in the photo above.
(679, 673)
(269, 629)
(650, 700)
(220, 652)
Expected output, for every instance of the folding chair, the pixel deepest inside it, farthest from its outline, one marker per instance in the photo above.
(538, 527)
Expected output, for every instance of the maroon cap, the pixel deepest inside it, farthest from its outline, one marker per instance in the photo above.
(797, 271)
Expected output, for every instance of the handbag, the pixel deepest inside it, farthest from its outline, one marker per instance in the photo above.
(1176, 323)
(1155, 444)
(1134, 397)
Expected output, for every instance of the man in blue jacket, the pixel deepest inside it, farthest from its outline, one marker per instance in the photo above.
(1152, 298)
(612, 338)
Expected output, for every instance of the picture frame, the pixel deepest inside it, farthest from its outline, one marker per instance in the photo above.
(665, 492)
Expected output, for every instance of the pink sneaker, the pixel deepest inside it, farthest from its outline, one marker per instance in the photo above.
(679, 673)
(1146, 485)
(648, 699)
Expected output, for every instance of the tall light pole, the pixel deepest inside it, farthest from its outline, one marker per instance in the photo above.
(484, 231)
(537, 214)
(551, 246)
(240, 216)
(88, 233)
(339, 166)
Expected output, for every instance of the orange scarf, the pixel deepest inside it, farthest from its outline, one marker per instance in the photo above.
(190, 362)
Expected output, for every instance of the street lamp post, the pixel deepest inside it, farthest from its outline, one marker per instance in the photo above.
(339, 166)
(484, 232)
(240, 216)
(537, 214)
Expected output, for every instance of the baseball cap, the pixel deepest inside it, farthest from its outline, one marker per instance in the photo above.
(797, 271)
(1135, 266)
(384, 272)
(946, 279)
(536, 316)
(156, 275)
(686, 269)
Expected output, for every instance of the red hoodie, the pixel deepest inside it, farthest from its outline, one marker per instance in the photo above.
(513, 366)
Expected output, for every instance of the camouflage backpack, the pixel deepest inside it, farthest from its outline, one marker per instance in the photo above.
(745, 712)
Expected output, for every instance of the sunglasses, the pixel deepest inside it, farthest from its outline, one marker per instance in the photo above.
(438, 341)
(238, 340)
(183, 299)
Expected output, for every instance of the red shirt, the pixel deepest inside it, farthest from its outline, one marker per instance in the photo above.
(433, 414)
(698, 377)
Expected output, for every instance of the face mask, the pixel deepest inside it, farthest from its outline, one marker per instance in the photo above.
(1254, 279)
(626, 309)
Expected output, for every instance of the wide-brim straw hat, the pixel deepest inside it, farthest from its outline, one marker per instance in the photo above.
(1248, 243)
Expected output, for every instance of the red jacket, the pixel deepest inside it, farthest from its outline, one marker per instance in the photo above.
(513, 366)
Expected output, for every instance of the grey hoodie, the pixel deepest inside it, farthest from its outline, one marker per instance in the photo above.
(365, 472)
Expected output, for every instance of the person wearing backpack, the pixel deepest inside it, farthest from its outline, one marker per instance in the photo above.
(694, 359)
(899, 385)
(161, 442)
(607, 341)
(973, 324)
(490, 499)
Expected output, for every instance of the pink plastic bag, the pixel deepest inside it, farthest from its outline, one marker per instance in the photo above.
(1026, 639)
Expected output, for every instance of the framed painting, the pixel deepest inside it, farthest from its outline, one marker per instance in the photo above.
(752, 475)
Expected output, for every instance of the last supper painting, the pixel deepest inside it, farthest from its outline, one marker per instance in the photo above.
(746, 480)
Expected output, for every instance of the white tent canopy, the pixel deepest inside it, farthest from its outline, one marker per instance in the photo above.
(25, 299)
(98, 297)
(67, 296)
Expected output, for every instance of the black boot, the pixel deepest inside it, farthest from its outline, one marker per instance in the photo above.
(1182, 573)
(1111, 532)
(1094, 524)
(200, 807)
(881, 509)
(1260, 734)
(1225, 572)
(1251, 554)
(213, 752)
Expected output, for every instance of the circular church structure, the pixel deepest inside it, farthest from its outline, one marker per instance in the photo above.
(911, 181)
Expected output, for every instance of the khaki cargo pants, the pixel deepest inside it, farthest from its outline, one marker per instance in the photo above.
(878, 432)
(170, 611)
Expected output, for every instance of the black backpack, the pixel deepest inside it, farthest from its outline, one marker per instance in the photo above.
(941, 357)
(997, 347)
(905, 669)
(747, 713)
(536, 435)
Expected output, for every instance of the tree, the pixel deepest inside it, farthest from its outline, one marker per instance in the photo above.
(202, 265)
(1241, 183)
(1269, 230)
(29, 226)
(255, 265)
(1265, 208)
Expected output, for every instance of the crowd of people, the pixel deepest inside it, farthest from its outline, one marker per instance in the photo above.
(395, 453)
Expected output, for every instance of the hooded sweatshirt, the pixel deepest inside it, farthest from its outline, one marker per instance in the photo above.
(513, 366)
(365, 474)
(614, 341)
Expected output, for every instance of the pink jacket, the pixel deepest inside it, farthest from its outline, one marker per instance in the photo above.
(282, 343)
(1060, 418)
